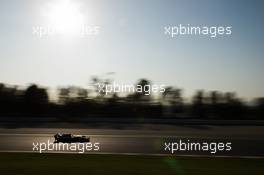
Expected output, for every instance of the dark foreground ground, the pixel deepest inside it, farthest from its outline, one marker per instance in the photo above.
(33, 163)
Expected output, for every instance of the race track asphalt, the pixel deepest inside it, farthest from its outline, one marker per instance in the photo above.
(245, 140)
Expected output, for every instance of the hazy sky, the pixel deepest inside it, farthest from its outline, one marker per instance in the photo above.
(131, 43)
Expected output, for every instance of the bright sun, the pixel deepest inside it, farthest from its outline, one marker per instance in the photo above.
(65, 17)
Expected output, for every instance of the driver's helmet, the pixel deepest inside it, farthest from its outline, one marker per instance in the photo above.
(57, 135)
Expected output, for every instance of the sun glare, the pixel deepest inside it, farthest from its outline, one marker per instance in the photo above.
(65, 17)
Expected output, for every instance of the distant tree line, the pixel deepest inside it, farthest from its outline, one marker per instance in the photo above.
(75, 102)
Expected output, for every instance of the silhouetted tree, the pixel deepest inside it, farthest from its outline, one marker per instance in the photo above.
(100, 86)
(143, 91)
(64, 95)
(173, 97)
(214, 104)
(36, 96)
(72, 94)
(198, 104)
(260, 107)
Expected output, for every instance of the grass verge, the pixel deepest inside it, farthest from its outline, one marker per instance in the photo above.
(43, 164)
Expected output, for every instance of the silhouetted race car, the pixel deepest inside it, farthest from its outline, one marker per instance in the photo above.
(69, 138)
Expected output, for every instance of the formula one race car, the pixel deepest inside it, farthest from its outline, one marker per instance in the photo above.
(69, 138)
